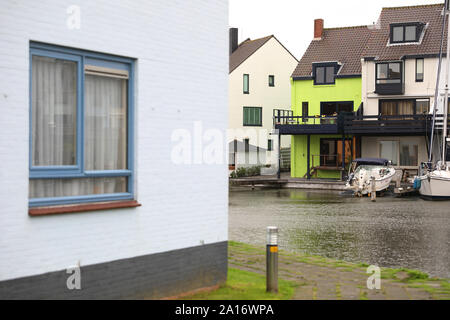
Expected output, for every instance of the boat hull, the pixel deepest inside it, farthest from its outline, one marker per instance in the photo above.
(435, 186)
(362, 183)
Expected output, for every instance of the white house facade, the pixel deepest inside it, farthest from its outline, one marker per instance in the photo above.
(90, 95)
(399, 72)
(259, 83)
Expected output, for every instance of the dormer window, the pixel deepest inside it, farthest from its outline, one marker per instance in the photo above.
(325, 73)
(406, 32)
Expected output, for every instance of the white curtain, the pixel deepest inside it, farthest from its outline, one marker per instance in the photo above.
(54, 106)
(105, 129)
(389, 150)
(47, 188)
(105, 123)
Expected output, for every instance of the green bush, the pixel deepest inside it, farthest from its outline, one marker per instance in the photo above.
(246, 172)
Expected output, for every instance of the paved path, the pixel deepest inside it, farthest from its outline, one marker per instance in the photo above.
(326, 279)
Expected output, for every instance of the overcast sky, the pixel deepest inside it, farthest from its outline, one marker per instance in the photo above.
(292, 21)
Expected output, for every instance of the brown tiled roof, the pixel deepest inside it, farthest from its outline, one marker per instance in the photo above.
(429, 14)
(344, 45)
(245, 50)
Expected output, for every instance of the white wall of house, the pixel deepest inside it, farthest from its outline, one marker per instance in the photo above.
(271, 59)
(371, 148)
(177, 82)
(413, 89)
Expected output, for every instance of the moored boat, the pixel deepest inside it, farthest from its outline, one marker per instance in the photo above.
(434, 182)
(435, 185)
(363, 170)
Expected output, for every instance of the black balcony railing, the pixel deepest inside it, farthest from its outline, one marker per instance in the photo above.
(356, 124)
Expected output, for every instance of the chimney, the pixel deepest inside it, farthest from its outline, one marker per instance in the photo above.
(318, 29)
(233, 39)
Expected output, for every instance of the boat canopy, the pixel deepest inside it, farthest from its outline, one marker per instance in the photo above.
(371, 161)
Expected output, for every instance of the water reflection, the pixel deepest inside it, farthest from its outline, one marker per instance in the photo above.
(392, 232)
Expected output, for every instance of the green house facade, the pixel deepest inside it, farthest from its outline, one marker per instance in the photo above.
(325, 85)
(316, 101)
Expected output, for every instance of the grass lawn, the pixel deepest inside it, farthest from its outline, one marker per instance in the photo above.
(244, 285)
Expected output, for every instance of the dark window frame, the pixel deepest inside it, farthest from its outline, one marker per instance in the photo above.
(380, 101)
(336, 103)
(271, 83)
(252, 125)
(270, 145)
(423, 69)
(248, 83)
(305, 111)
(325, 66)
(419, 29)
(388, 76)
(336, 140)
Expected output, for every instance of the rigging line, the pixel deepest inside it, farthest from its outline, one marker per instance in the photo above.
(436, 93)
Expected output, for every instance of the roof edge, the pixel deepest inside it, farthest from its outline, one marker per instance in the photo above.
(262, 44)
(416, 6)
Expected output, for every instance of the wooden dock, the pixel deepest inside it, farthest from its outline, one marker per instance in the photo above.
(258, 182)
(405, 191)
(288, 182)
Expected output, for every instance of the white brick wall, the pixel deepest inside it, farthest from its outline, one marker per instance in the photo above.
(181, 49)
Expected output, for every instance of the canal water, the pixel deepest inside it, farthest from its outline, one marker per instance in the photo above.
(392, 232)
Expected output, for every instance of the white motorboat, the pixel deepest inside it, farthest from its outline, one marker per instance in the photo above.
(364, 169)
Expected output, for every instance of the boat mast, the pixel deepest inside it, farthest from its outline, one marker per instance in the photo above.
(436, 92)
(447, 60)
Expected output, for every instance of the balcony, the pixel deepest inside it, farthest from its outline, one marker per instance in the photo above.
(390, 88)
(353, 124)
(414, 125)
(288, 124)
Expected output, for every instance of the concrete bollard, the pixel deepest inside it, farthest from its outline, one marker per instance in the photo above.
(373, 192)
(272, 260)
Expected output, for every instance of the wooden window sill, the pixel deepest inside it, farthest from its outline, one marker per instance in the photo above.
(45, 211)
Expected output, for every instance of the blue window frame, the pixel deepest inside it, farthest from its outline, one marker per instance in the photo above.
(96, 66)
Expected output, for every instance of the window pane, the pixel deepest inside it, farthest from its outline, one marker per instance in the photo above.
(344, 107)
(409, 153)
(328, 154)
(305, 111)
(405, 107)
(320, 75)
(329, 109)
(422, 106)
(397, 34)
(330, 75)
(389, 151)
(252, 116)
(54, 109)
(410, 33)
(394, 71)
(246, 83)
(51, 188)
(272, 81)
(105, 124)
(382, 72)
(388, 108)
(419, 69)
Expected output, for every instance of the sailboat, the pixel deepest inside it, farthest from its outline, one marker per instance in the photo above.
(434, 182)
